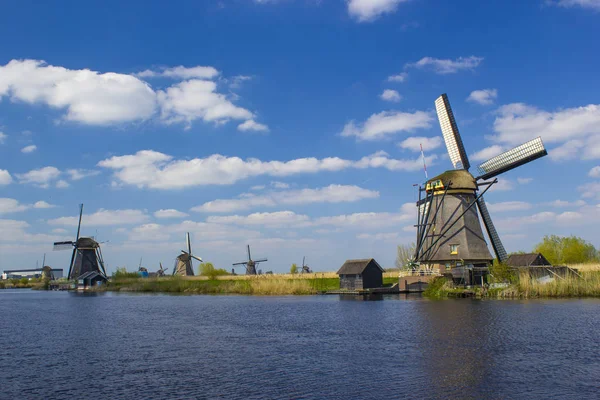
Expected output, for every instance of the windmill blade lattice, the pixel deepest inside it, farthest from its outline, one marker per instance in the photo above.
(454, 144)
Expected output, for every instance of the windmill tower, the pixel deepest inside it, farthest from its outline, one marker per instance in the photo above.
(250, 264)
(87, 255)
(305, 268)
(449, 234)
(183, 262)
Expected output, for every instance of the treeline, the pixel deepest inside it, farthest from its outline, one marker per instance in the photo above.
(567, 250)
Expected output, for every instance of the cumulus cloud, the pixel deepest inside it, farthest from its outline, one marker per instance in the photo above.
(169, 213)
(198, 99)
(387, 123)
(41, 177)
(274, 219)
(3, 137)
(42, 204)
(8, 206)
(369, 10)
(87, 96)
(524, 181)
(104, 217)
(487, 153)
(509, 206)
(328, 194)
(415, 143)
(77, 174)
(29, 149)
(446, 66)
(280, 185)
(62, 184)
(5, 177)
(181, 72)
(251, 125)
(390, 95)
(401, 77)
(591, 4)
(595, 172)
(151, 169)
(483, 97)
(563, 204)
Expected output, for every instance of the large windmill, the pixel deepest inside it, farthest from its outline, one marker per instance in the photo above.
(449, 234)
(250, 264)
(87, 255)
(183, 262)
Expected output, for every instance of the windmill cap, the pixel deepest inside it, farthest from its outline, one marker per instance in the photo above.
(460, 179)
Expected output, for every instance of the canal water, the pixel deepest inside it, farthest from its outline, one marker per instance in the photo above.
(59, 345)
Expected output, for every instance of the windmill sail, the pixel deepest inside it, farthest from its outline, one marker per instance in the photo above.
(454, 143)
(491, 230)
(513, 158)
(68, 245)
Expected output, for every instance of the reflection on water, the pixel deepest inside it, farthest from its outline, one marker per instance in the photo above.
(65, 345)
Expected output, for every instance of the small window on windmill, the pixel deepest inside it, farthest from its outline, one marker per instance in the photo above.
(448, 265)
(453, 249)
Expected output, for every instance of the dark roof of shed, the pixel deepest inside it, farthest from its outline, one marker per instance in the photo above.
(522, 260)
(357, 266)
(90, 275)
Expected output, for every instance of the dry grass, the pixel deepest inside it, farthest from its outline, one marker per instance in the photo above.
(572, 286)
(587, 267)
(316, 275)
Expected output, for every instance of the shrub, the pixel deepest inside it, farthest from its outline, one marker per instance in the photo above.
(208, 269)
(294, 269)
(566, 250)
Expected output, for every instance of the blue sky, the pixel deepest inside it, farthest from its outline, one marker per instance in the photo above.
(292, 125)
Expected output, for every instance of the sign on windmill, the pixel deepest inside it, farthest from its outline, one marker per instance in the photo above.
(250, 264)
(87, 254)
(449, 233)
(183, 262)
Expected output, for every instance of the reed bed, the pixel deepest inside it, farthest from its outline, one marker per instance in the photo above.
(588, 285)
(314, 275)
(587, 267)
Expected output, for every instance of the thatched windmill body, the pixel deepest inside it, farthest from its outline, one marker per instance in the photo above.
(183, 262)
(87, 255)
(449, 233)
(250, 264)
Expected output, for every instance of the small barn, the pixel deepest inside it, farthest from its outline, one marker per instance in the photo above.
(527, 260)
(360, 274)
(90, 279)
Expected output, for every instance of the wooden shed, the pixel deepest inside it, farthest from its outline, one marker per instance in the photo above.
(360, 274)
(527, 260)
(90, 279)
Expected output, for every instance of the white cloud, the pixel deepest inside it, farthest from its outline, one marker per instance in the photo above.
(562, 203)
(3, 137)
(60, 231)
(369, 10)
(368, 220)
(104, 217)
(88, 96)
(567, 151)
(251, 125)
(181, 72)
(274, 219)
(43, 204)
(329, 194)
(387, 123)
(14, 232)
(391, 95)
(237, 81)
(487, 153)
(518, 122)
(77, 174)
(280, 185)
(5, 177)
(401, 77)
(257, 187)
(590, 190)
(502, 185)
(169, 213)
(62, 184)
(415, 143)
(509, 206)
(591, 4)
(524, 181)
(446, 66)
(40, 177)
(156, 170)
(198, 99)
(29, 149)
(11, 206)
(595, 172)
(483, 97)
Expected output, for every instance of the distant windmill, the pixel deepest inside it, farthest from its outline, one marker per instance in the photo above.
(87, 255)
(161, 271)
(449, 233)
(250, 264)
(305, 268)
(183, 263)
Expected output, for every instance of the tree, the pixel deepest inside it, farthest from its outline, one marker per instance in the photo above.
(294, 269)
(208, 269)
(405, 252)
(566, 250)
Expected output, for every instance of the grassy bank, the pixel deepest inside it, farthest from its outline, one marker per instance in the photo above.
(265, 285)
(587, 284)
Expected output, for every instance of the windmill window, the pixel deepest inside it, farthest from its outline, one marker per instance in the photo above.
(453, 249)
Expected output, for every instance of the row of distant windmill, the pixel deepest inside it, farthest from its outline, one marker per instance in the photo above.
(87, 257)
